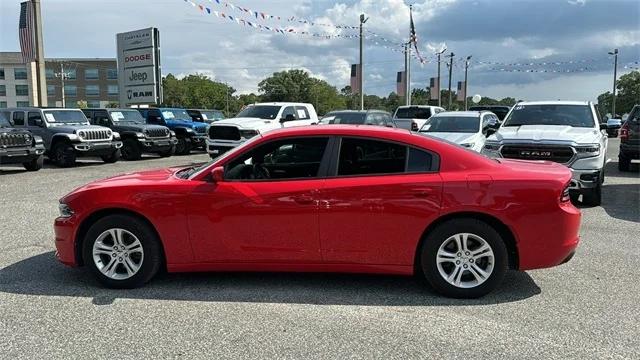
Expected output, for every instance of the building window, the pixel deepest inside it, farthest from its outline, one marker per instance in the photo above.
(112, 74)
(92, 90)
(91, 74)
(3, 104)
(49, 73)
(71, 74)
(3, 90)
(20, 73)
(1, 74)
(93, 103)
(51, 90)
(22, 90)
(112, 90)
(22, 104)
(70, 90)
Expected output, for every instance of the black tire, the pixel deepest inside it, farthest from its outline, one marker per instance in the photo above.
(35, 164)
(183, 147)
(151, 261)
(574, 196)
(64, 155)
(131, 150)
(440, 235)
(111, 158)
(592, 197)
(167, 153)
(624, 164)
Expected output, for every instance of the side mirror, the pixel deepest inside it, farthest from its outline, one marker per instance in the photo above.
(489, 131)
(39, 122)
(217, 174)
(603, 126)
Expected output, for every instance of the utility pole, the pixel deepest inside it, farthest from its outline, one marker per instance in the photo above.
(407, 73)
(615, 75)
(363, 20)
(466, 69)
(62, 75)
(40, 78)
(450, 71)
(439, 92)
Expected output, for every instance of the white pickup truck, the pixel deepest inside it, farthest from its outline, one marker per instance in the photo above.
(226, 134)
(567, 132)
(412, 117)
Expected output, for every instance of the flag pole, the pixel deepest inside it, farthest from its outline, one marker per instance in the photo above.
(37, 29)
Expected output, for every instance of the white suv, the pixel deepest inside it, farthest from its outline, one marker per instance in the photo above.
(226, 134)
(567, 132)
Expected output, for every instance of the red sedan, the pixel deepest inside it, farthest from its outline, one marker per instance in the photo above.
(336, 198)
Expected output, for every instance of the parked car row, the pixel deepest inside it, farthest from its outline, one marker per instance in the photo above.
(63, 135)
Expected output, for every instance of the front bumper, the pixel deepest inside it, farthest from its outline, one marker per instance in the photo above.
(65, 230)
(218, 147)
(584, 179)
(157, 145)
(96, 148)
(20, 155)
(198, 140)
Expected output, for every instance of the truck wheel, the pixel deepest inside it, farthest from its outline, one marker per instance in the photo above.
(131, 150)
(464, 258)
(35, 164)
(64, 155)
(183, 147)
(112, 158)
(167, 153)
(592, 197)
(623, 163)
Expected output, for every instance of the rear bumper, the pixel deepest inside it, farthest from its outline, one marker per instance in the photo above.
(20, 155)
(630, 151)
(552, 244)
(97, 148)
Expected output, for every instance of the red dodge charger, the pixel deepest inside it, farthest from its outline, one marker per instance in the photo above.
(353, 199)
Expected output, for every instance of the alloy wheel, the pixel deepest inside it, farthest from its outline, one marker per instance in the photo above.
(118, 254)
(465, 260)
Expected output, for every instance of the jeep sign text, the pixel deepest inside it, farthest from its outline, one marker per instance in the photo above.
(139, 76)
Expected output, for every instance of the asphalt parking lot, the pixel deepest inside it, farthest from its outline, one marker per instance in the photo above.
(587, 308)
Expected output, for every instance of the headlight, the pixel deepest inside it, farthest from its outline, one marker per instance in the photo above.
(469, 145)
(140, 135)
(173, 133)
(116, 135)
(82, 134)
(65, 210)
(190, 130)
(492, 146)
(588, 150)
(247, 134)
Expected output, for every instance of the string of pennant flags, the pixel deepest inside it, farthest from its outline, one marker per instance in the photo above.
(583, 69)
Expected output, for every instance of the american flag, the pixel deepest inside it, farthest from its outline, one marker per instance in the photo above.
(25, 30)
(413, 38)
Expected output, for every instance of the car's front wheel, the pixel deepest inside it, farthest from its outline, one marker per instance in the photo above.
(35, 164)
(131, 150)
(111, 158)
(183, 147)
(122, 251)
(464, 258)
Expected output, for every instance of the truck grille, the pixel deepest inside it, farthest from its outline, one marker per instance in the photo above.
(93, 135)
(12, 140)
(559, 154)
(157, 133)
(224, 133)
(201, 129)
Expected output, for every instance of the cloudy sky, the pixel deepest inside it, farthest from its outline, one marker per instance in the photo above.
(501, 31)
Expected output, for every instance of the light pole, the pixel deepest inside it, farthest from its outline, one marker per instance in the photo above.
(62, 75)
(363, 20)
(440, 53)
(466, 69)
(450, 73)
(615, 74)
(407, 73)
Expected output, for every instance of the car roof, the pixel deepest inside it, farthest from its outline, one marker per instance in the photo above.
(280, 103)
(35, 108)
(553, 102)
(489, 106)
(461, 113)
(356, 111)
(419, 106)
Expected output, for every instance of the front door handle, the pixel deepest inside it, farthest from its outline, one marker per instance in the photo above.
(425, 192)
(304, 199)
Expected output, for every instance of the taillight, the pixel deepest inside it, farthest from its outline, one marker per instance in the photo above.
(624, 132)
(565, 194)
(414, 126)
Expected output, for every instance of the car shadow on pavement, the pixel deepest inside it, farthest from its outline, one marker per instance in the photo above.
(621, 201)
(42, 275)
(611, 169)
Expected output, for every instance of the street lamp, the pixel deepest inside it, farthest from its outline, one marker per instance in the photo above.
(615, 71)
(466, 68)
(444, 48)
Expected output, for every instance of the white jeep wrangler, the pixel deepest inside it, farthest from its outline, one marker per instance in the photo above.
(567, 132)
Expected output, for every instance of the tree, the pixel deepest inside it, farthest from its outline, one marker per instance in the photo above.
(196, 91)
(628, 94)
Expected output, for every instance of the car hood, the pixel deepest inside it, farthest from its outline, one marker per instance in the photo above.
(249, 123)
(458, 138)
(71, 129)
(186, 123)
(136, 127)
(546, 133)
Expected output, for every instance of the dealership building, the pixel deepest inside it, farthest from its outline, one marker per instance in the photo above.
(86, 79)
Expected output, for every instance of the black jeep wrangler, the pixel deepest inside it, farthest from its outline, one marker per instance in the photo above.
(19, 146)
(137, 136)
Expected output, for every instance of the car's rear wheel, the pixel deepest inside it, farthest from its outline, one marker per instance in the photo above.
(464, 258)
(122, 251)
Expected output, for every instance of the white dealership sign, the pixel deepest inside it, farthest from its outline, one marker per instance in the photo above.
(139, 77)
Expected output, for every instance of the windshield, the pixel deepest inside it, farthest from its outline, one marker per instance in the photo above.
(212, 115)
(413, 113)
(193, 171)
(4, 122)
(175, 114)
(564, 115)
(454, 124)
(65, 117)
(345, 118)
(500, 111)
(260, 111)
(127, 116)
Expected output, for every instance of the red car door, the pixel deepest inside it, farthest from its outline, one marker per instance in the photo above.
(267, 211)
(379, 204)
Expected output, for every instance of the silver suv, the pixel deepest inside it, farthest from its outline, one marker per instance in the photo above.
(567, 132)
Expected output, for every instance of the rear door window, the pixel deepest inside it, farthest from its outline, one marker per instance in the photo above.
(364, 157)
(18, 118)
